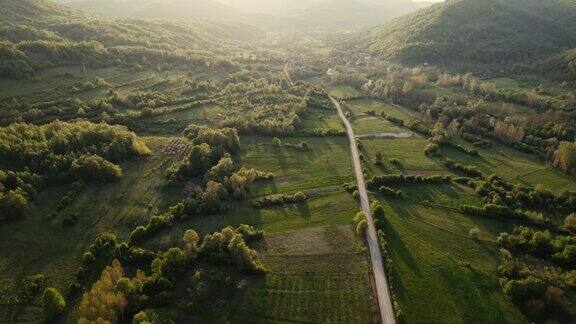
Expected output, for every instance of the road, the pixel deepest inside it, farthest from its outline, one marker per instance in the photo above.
(382, 290)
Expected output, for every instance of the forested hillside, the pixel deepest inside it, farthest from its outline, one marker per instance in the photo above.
(475, 32)
(97, 42)
(32, 10)
(560, 67)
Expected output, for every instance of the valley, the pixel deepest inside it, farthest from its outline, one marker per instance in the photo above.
(220, 162)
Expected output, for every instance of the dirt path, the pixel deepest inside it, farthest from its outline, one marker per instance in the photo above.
(382, 290)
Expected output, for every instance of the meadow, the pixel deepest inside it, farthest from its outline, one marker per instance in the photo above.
(440, 273)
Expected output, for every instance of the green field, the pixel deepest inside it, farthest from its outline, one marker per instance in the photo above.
(429, 240)
(322, 119)
(409, 151)
(515, 166)
(430, 248)
(316, 275)
(358, 107)
(344, 92)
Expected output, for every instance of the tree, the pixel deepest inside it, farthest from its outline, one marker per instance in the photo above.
(431, 149)
(565, 156)
(53, 302)
(141, 318)
(173, 263)
(474, 232)
(570, 222)
(103, 303)
(524, 289)
(377, 210)
(379, 159)
(190, 241)
(276, 142)
(13, 203)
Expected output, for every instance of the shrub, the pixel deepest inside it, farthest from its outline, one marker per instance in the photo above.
(524, 289)
(386, 191)
(31, 285)
(378, 181)
(474, 232)
(279, 199)
(570, 222)
(276, 142)
(70, 219)
(53, 302)
(431, 149)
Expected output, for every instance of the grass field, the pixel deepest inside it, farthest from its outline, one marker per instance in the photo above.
(359, 107)
(344, 92)
(316, 275)
(506, 83)
(441, 274)
(430, 249)
(409, 151)
(515, 166)
(323, 119)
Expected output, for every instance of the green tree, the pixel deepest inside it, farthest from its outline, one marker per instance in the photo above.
(190, 241)
(53, 302)
(570, 222)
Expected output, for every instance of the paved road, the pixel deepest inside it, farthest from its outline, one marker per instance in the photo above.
(384, 298)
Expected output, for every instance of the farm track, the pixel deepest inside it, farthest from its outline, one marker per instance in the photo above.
(382, 289)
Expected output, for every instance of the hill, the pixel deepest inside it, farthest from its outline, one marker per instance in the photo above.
(560, 67)
(302, 14)
(153, 9)
(36, 36)
(32, 10)
(475, 32)
(343, 14)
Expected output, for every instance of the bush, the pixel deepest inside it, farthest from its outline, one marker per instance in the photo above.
(524, 289)
(471, 171)
(31, 285)
(53, 302)
(361, 228)
(276, 142)
(386, 191)
(570, 222)
(474, 232)
(378, 181)
(431, 149)
(279, 199)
